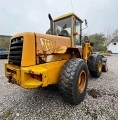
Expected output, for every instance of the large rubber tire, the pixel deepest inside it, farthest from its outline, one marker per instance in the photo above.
(71, 88)
(97, 70)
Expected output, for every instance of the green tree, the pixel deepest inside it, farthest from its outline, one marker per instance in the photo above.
(98, 40)
(4, 41)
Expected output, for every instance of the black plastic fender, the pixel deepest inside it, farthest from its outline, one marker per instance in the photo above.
(104, 60)
(104, 64)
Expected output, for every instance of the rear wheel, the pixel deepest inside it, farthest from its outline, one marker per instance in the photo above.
(73, 80)
(97, 67)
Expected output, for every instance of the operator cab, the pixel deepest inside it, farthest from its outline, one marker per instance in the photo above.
(69, 25)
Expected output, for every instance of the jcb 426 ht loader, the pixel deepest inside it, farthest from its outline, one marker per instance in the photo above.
(58, 57)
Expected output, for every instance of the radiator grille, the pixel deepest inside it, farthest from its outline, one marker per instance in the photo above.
(15, 54)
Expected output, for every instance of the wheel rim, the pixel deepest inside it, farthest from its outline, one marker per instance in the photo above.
(82, 81)
(100, 66)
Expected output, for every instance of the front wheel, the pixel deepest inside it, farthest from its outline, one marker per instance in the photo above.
(97, 68)
(73, 80)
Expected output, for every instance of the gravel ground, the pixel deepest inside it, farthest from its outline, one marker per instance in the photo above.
(100, 103)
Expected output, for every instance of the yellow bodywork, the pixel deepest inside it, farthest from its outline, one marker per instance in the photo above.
(32, 73)
(86, 51)
(48, 72)
(43, 57)
(28, 48)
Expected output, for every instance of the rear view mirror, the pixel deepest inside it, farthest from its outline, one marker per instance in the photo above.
(86, 23)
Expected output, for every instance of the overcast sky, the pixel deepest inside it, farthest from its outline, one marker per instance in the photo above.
(31, 15)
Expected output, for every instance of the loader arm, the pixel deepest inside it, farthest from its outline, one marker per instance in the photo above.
(87, 50)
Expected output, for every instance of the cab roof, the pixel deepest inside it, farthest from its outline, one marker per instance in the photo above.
(67, 15)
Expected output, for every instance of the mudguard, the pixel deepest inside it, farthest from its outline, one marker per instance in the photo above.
(104, 64)
(92, 61)
(104, 59)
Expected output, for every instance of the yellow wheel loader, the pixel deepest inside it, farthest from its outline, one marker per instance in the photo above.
(57, 57)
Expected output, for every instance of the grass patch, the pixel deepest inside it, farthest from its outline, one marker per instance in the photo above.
(102, 110)
(104, 53)
(111, 117)
(63, 117)
(7, 115)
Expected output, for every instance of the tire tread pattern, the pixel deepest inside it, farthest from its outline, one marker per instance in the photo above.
(66, 80)
(96, 73)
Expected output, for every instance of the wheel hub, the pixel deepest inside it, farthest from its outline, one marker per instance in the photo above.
(82, 81)
(100, 66)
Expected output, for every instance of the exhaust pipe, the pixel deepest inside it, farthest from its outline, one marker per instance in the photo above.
(51, 24)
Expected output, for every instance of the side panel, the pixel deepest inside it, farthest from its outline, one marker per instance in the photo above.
(29, 54)
(54, 70)
(49, 44)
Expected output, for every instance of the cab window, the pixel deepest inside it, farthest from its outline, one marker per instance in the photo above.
(63, 27)
(77, 29)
